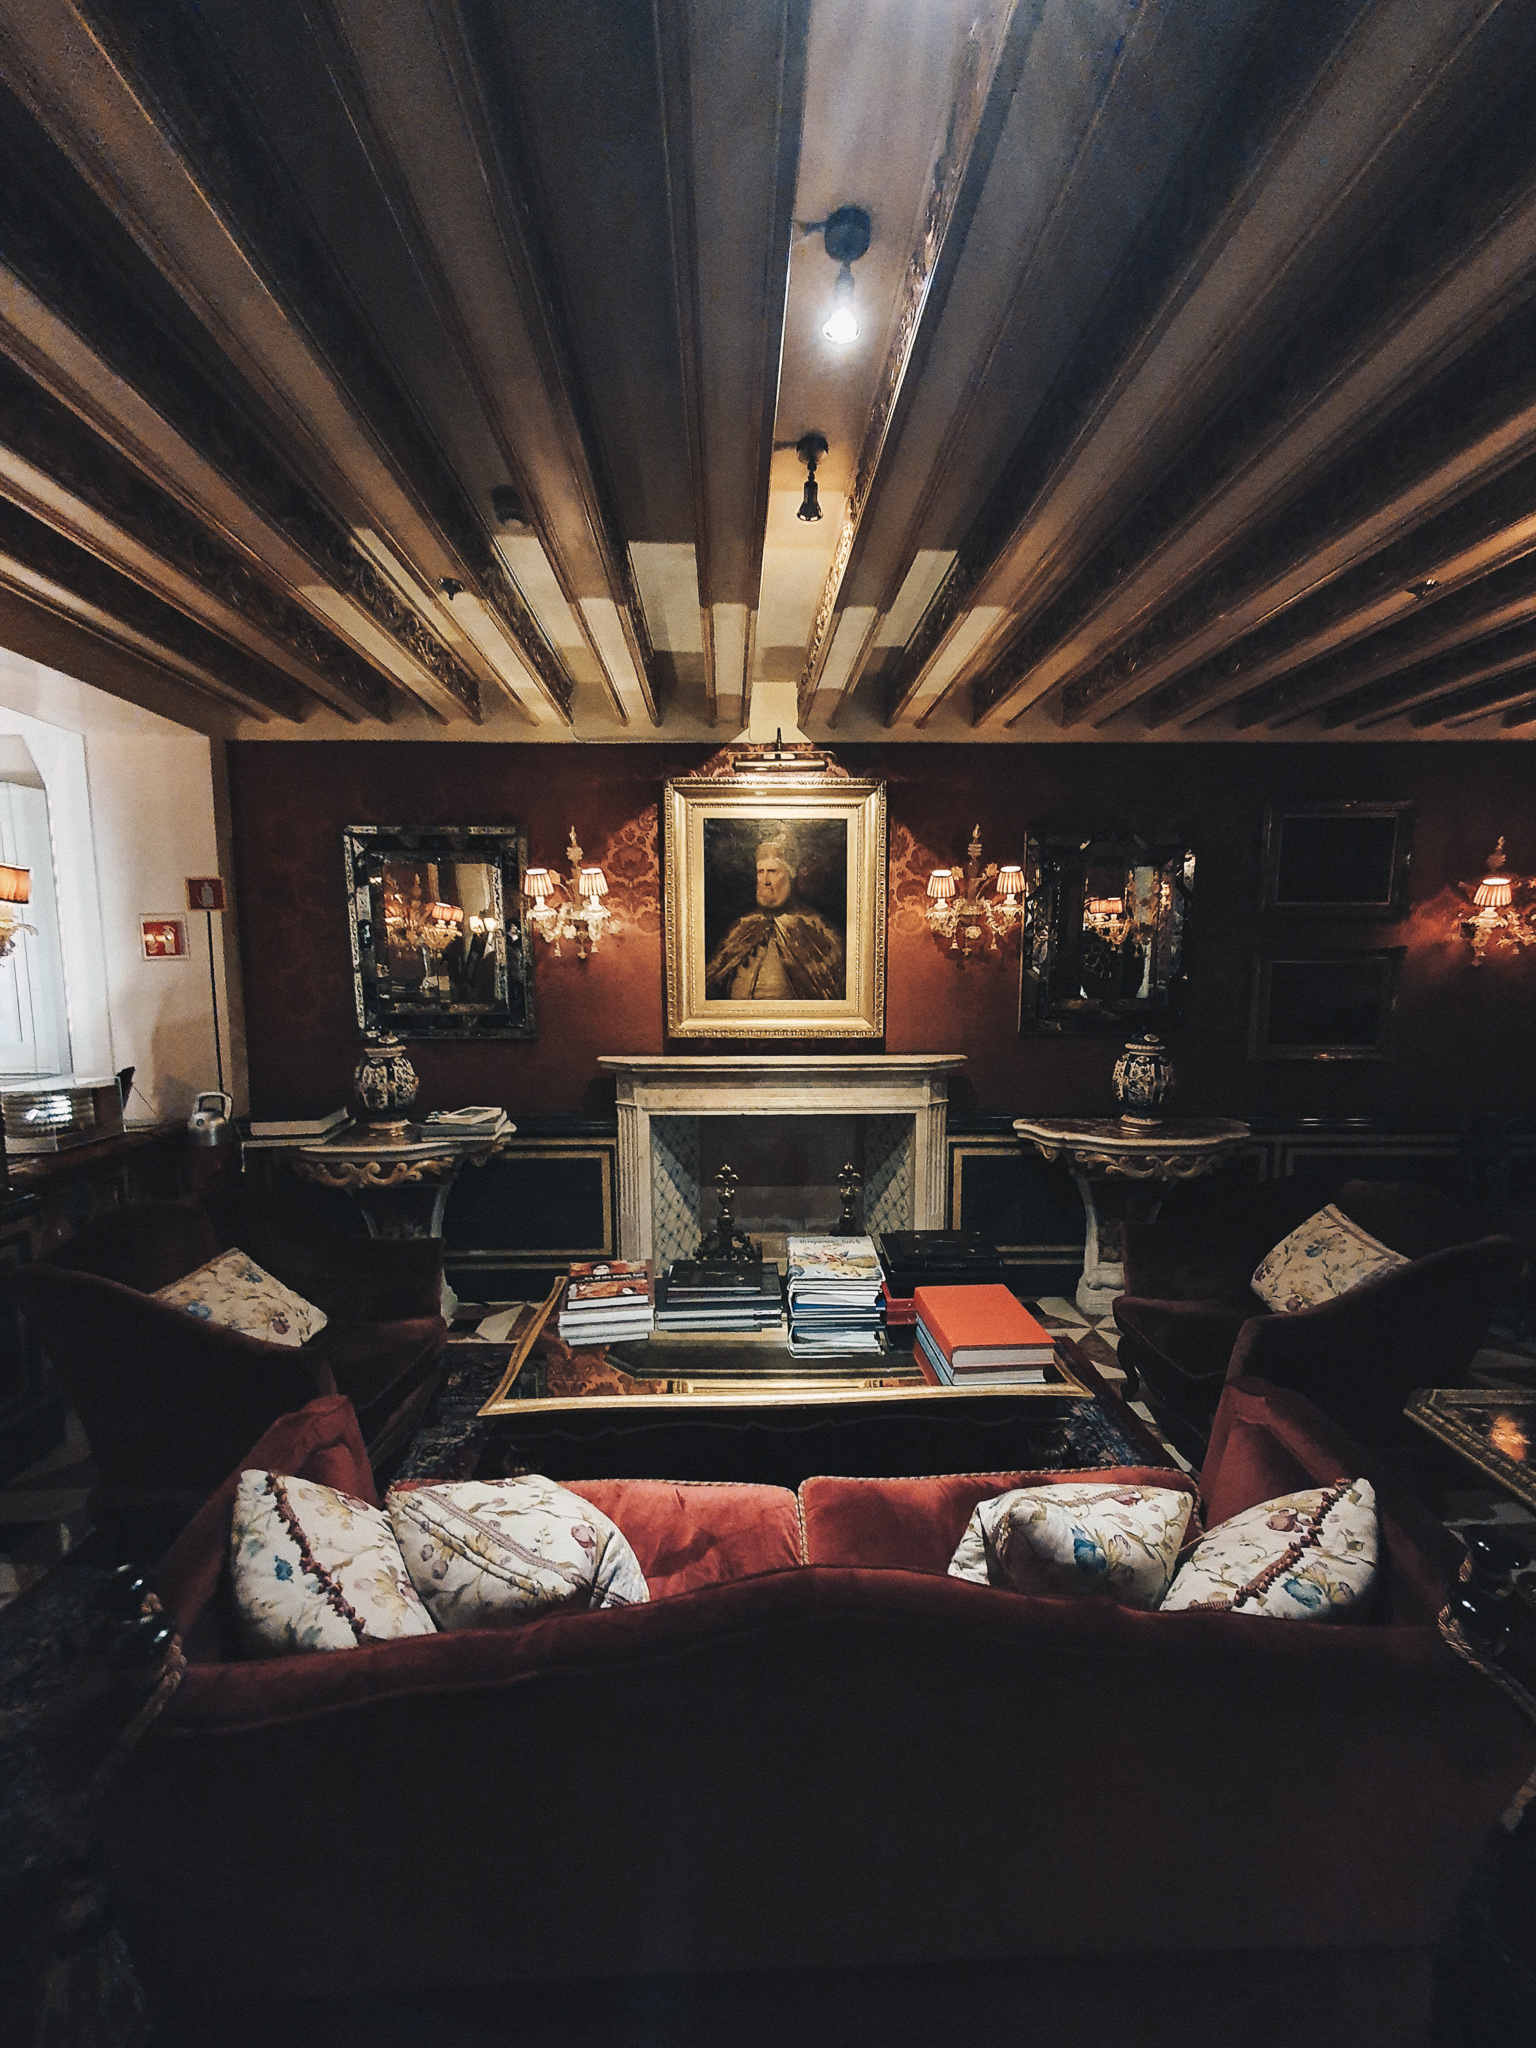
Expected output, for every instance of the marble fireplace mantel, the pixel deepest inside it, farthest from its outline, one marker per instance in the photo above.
(910, 1087)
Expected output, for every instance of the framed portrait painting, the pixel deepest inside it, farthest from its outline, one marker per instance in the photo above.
(775, 907)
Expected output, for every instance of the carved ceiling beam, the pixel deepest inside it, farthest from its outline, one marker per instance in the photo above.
(246, 505)
(986, 76)
(1352, 542)
(1509, 683)
(733, 89)
(418, 102)
(133, 114)
(1315, 180)
(54, 467)
(38, 563)
(1450, 675)
(1385, 367)
(1399, 651)
(1383, 594)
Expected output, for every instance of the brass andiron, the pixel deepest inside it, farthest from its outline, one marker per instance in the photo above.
(725, 1245)
(849, 1182)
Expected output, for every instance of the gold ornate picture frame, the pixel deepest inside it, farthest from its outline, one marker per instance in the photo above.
(774, 887)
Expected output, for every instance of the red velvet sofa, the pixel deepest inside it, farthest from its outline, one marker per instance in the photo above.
(818, 1791)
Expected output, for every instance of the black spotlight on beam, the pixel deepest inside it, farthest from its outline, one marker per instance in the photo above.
(810, 448)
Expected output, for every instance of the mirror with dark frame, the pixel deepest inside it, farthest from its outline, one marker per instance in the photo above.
(439, 930)
(1104, 929)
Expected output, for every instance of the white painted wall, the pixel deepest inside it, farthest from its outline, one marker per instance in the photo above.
(131, 798)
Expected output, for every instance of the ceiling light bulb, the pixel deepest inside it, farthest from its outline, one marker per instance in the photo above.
(842, 323)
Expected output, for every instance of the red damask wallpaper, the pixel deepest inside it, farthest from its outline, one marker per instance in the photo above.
(1464, 1034)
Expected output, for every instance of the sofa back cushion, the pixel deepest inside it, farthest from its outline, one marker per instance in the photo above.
(1267, 1441)
(145, 1245)
(699, 1533)
(915, 1525)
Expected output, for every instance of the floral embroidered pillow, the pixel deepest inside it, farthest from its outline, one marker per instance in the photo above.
(487, 1553)
(235, 1293)
(1303, 1557)
(314, 1569)
(1323, 1258)
(1097, 1539)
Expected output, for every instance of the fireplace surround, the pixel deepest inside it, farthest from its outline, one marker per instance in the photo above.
(902, 1097)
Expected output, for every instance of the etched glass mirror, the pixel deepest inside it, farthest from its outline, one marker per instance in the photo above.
(1104, 929)
(439, 932)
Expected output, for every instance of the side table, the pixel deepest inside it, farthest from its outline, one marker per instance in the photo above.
(401, 1180)
(1121, 1170)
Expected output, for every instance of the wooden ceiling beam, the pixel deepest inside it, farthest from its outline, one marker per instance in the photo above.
(733, 93)
(1385, 368)
(1316, 181)
(250, 514)
(131, 123)
(1353, 543)
(417, 94)
(987, 74)
(1509, 683)
(39, 563)
(1433, 578)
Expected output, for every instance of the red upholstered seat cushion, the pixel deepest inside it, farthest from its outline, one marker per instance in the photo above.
(914, 1524)
(689, 1534)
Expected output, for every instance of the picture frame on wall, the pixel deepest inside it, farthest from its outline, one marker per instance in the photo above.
(775, 906)
(1325, 1006)
(1337, 860)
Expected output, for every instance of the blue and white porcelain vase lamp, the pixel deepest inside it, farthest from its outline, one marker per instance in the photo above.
(1143, 1082)
(384, 1082)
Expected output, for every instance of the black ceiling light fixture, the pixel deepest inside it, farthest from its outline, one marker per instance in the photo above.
(810, 448)
(845, 236)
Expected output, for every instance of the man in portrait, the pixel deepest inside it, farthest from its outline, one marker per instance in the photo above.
(783, 950)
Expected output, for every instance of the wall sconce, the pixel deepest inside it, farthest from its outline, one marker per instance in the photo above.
(961, 910)
(561, 909)
(810, 448)
(15, 887)
(845, 237)
(1499, 920)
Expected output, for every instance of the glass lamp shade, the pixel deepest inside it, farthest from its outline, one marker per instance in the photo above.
(1010, 881)
(941, 884)
(15, 885)
(538, 883)
(593, 884)
(842, 323)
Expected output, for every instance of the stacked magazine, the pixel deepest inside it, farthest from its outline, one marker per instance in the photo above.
(834, 1295)
(607, 1300)
(699, 1294)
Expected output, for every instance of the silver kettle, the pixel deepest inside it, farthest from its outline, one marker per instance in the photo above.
(211, 1120)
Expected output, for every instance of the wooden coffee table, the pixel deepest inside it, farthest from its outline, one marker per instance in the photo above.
(743, 1407)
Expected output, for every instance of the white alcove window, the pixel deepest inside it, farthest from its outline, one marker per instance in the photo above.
(34, 1012)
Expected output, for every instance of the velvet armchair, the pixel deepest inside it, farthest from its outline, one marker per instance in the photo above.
(1189, 1318)
(169, 1402)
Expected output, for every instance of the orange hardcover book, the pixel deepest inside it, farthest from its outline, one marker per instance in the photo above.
(982, 1326)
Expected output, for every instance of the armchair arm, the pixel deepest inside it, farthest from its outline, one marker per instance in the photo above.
(1359, 1356)
(1194, 1338)
(166, 1400)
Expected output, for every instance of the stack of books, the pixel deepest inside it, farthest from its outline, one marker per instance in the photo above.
(277, 1130)
(698, 1294)
(834, 1295)
(607, 1300)
(980, 1337)
(910, 1259)
(479, 1120)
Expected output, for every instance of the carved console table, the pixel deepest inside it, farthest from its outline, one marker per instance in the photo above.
(658, 1205)
(1120, 1172)
(400, 1182)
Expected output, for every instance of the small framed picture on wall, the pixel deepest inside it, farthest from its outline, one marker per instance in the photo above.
(1337, 860)
(164, 938)
(1324, 1006)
